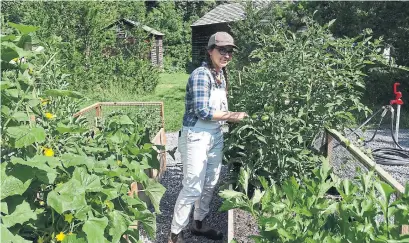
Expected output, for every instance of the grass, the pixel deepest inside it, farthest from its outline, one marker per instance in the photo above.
(170, 90)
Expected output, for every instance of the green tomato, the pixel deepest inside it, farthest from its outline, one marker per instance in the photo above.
(265, 118)
(254, 116)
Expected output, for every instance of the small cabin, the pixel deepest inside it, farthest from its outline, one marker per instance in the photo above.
(156, 52)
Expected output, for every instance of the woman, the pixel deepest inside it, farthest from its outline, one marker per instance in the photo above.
(201, 138)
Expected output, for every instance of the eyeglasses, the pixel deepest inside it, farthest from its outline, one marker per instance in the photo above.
(223, 51)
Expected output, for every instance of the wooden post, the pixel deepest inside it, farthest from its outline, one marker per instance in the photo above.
(98, 111)
(230, 222)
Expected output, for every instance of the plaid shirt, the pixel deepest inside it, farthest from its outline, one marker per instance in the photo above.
(197, 97)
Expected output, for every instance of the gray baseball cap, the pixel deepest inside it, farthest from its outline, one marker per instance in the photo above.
(221, 39)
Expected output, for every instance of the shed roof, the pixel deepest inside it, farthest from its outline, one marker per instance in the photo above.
(222, 13)
(135, 24)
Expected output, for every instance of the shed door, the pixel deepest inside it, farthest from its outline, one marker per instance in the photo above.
(157, 52)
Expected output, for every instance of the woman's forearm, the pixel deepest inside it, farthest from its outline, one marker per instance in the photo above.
(228, 116)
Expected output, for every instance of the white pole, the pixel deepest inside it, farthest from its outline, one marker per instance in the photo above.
(397, 124)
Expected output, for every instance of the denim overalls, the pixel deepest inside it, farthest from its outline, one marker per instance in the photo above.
(201, 149)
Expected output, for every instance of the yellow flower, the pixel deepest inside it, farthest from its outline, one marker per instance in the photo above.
(15, 59)
(49, 152)
(109, 204)
(49, 116)
(40, 240)
(60, 236)
(30, 71)
(42, 203)
(119, 162)
(68, 217)
(44, 101)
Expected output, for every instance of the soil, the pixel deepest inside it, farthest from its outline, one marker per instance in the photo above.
(244, 226)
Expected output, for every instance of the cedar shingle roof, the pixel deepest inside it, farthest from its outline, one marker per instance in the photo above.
(146, 28)
(222, 13)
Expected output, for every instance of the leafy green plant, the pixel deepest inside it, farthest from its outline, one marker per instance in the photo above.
(301, 211)
(59, 181)
(297, 83)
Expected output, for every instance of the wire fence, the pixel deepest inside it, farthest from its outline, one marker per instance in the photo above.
(148, 114)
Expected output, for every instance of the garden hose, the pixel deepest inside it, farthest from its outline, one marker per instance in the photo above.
(391, 156)
(387, 155)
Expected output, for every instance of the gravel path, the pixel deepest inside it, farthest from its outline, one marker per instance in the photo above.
(172, 180)
(346, 167)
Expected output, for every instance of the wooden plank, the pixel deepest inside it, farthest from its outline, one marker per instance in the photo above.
(366, 161)
(230, 222)
(86, 109)
(370, 164)
(160, 139)
(126, 103)
(330, 146)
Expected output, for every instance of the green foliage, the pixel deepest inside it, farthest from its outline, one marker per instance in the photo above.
(296, 84)
(60, 181)
(387, 20)
(93, 56)
(302, 212)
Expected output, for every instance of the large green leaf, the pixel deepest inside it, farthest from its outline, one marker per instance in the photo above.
(244, 179)
(89, 182)
(63, 93)
(23, 29)
(121, 120)
(155, 191)
(119, 223)
(8, 38)
(22, 214)
(73, 239)
(94, 228)
(229, 194)
(8, 53)
(21, 116)
(8, 237)
(25, 135)
(74, 160)
(10, 185)
(4, 208)
(68, 196)
(70, 129)
(41, 170)
(148, 220)
(23, 40)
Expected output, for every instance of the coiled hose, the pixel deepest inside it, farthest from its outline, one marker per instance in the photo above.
(387, 155)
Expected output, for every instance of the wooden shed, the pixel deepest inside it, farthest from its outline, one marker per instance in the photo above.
(216, 20)
(156, 52)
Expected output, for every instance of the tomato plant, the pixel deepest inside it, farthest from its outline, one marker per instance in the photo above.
(296, 84)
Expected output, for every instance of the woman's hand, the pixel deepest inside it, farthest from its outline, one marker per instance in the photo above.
(236, 116)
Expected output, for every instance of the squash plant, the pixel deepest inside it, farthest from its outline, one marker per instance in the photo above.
(301, 211)
(59, 181)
